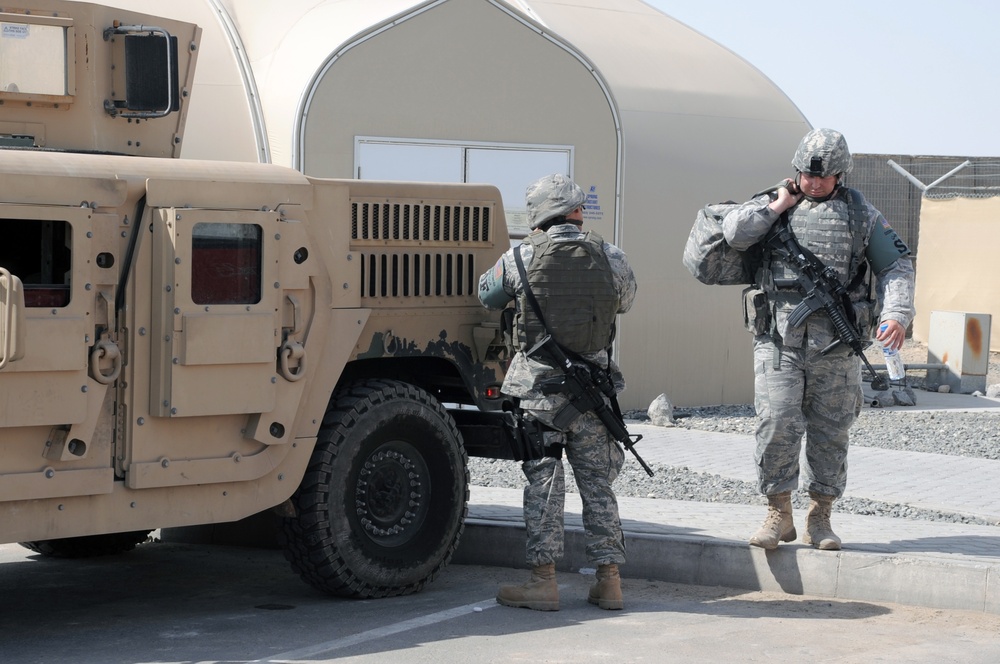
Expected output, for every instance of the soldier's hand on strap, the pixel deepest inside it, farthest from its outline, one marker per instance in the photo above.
(788, 195)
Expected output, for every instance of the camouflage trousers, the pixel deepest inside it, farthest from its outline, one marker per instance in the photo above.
(596, 460)
(818, 396)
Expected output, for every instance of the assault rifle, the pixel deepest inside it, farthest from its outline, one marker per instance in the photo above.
(822, 290)
(585, 388)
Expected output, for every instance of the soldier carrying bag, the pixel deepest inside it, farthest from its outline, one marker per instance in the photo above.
(710, 259)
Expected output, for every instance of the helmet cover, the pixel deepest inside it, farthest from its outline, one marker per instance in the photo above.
(552, 196)
(823, 152)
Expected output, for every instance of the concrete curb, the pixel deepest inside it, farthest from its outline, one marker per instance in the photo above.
(792, 568)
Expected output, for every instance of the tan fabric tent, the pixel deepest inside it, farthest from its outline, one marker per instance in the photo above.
(650, 117)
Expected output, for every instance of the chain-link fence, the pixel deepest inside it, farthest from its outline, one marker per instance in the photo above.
(898, 198)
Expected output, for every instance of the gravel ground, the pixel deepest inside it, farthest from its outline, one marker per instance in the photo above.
(971, 434)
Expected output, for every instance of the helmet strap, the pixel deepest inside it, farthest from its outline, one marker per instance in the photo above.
(554, 221)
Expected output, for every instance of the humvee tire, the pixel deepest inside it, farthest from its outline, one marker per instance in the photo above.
(89, 546)
(382, 505)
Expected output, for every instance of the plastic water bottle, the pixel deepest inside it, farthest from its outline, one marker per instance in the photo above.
(893, 361)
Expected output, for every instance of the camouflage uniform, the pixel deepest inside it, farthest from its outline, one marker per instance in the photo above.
(595, 457)
(798, 390)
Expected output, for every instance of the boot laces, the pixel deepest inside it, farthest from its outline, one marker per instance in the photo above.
(819, 517)
(774, 517)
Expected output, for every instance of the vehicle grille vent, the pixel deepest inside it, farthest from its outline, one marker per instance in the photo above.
(418, 274)
(420, 222)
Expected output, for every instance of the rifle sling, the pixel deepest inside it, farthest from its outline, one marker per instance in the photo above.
(528, 294)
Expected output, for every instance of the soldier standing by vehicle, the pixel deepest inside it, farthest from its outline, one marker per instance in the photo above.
(581, 283)
(803, 385)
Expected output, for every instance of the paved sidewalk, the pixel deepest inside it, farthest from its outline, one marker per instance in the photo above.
(921, 563)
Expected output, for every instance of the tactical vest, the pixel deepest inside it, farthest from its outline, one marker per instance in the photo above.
(835, 232)
(574, 285)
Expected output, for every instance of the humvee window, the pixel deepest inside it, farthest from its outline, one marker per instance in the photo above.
(33, 57)
(226, 263)
(38, 252)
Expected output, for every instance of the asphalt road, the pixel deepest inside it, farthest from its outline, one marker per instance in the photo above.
(169, 602)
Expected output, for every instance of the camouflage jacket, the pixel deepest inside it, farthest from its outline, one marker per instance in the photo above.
(524, 374)
(750, 222)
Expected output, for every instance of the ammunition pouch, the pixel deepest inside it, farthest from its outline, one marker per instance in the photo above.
(756, 311)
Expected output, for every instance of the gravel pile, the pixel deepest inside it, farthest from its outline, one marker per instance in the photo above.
(960, 434)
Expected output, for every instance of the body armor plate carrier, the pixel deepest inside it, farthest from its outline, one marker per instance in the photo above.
(574, 285)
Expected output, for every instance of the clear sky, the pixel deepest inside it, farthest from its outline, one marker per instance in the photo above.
(895, 76)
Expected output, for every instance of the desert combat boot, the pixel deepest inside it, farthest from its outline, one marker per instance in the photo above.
(778, 524)
(607, 591)
(540, 592)
(819, 533)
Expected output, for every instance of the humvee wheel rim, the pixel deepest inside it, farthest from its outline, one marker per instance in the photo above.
(390, 494)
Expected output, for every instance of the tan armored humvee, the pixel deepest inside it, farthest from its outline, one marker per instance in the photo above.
(191, 342)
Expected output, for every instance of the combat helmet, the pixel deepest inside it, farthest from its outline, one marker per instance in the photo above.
(552, 196)
(823, 152)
